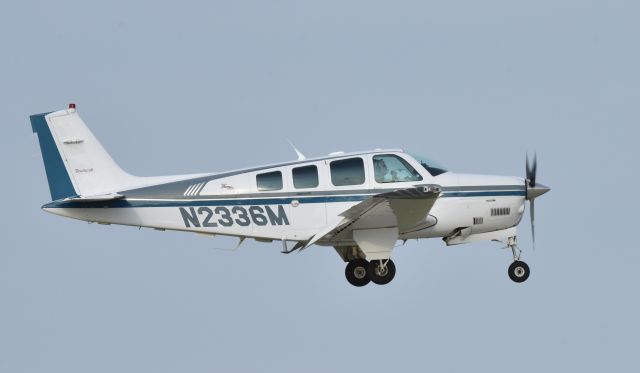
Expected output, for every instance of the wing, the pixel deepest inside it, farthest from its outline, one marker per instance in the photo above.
(403, 208)
(376, 223)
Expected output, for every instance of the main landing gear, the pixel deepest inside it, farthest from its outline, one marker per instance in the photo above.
(360, 271)
(518, 270)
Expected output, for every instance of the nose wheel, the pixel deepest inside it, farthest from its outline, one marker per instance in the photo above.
(360, 272)
(518, 270)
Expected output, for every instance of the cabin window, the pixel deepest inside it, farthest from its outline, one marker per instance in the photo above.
(433, 167)
(347, 172)
(269, 181)
(389, 168)
(305, 177)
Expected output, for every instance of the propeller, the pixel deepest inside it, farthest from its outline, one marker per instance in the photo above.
(534, 191)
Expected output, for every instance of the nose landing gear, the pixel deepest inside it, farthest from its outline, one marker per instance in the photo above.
(518, 270)
(360, 272)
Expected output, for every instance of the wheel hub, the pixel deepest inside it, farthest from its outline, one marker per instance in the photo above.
(381, 271)
(519, 271)
(359, 273)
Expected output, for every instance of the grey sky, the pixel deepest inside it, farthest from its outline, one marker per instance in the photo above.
(207, 86)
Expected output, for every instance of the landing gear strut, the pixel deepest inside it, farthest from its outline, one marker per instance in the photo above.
(360, 272)
(518, 270)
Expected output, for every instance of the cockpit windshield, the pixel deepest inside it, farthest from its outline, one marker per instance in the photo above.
(433, 167)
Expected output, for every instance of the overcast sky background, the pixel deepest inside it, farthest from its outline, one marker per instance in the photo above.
(209, 86)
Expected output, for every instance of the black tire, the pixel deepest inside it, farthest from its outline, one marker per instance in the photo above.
(519, 271)
(381, 278)
(357, 272)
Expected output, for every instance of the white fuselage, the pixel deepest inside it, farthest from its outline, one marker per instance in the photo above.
(233, 203)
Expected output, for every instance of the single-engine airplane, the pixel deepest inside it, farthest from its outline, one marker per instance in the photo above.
(360, 203)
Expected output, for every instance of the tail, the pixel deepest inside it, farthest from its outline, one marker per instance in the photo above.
(75, 162)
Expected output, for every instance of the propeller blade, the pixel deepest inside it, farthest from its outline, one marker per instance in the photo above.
(532, 170)
(533, 220)
(533, 191)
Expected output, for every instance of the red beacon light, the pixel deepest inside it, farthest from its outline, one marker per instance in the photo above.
(72, 106)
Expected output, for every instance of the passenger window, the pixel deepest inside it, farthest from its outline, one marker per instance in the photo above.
(305, 177)
(347, 172)
(269, 181)
(390, 168)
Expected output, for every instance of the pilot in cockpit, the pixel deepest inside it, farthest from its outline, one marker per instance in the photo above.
(382, 174)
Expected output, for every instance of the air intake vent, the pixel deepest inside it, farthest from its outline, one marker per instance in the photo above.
(500, 211)
(477, 221)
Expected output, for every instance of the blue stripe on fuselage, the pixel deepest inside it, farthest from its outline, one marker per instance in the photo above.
(500, 193)
(254, 201)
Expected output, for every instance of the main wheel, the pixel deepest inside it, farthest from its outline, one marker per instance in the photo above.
(356, 272)
(519, 271)
(380, 274)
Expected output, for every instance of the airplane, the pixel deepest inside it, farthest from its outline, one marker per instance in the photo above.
(361, 204)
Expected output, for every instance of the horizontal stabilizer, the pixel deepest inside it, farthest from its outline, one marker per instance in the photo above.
(96, 198)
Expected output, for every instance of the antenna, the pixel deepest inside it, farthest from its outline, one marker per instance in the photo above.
(301, 156)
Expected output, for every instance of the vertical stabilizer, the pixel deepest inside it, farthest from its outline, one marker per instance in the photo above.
(75, 162)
